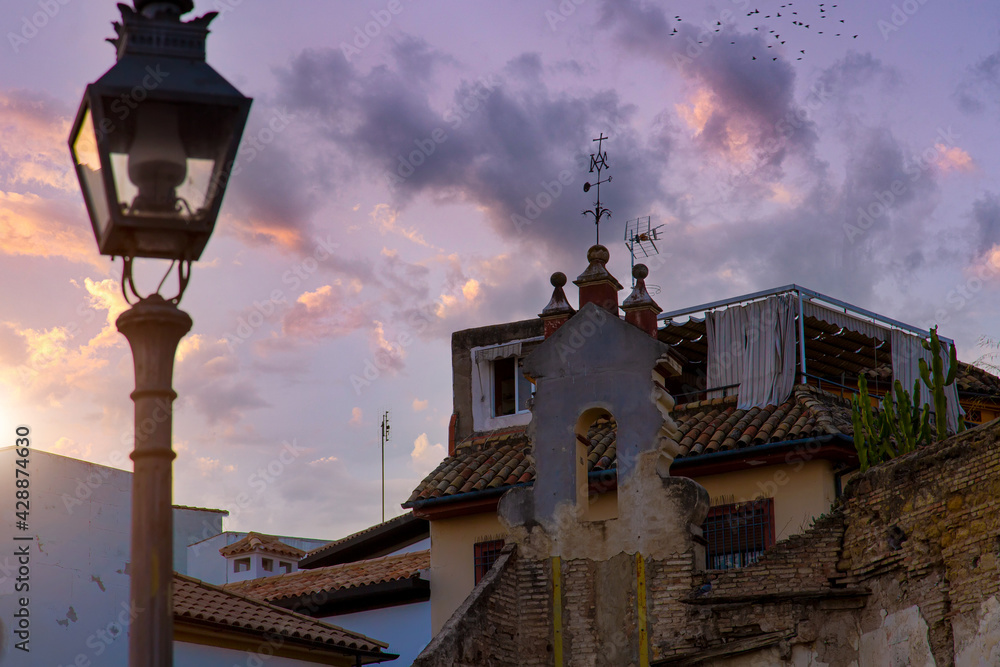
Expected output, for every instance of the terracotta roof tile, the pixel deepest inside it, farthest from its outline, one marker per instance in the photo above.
(502, 459)
(261, 542)
(335, 577)
(198, 602)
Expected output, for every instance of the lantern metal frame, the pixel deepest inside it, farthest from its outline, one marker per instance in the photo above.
(160, 60)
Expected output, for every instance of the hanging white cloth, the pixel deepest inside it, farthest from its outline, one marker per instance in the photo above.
(753, 346)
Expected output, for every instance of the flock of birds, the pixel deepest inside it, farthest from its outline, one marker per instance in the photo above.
(788, 21)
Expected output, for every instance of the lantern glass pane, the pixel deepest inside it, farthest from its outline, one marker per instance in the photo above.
(192, 193)
(88, 166)
(167, 158)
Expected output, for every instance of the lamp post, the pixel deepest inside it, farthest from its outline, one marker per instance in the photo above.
(153, 144)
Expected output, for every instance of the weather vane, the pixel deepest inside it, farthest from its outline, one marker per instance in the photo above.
(599, 162)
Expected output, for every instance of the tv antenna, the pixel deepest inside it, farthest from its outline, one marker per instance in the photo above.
(640, 239)
(598, 162)
(385, 439)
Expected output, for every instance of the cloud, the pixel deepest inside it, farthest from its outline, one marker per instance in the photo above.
(389, 355)
(855, 70)
(425, 456)
(69, 447)
(33, 156)
(505, 142)
(418, 405)
(206, 465)
(355, 417)
(986, 223)
(50, 365)
(954, 158)
(106, 295)
(209, 378)
(41, 227)
(385, 218)
(742, 107)
(980, 86)
(327, 312)
(470, 290)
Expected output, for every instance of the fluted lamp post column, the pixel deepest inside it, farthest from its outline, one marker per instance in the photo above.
(153, 326)
(153, 144)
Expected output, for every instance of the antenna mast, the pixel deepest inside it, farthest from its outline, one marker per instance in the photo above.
(385, 439)
(641, 238)
(598, 161)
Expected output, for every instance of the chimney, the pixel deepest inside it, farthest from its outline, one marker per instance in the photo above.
(596, 285)
(640, 309)
(558, 311)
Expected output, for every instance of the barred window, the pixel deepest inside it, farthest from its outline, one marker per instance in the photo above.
(486, 553)
(738, 533)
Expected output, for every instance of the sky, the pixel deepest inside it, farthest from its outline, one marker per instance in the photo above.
(414, 168)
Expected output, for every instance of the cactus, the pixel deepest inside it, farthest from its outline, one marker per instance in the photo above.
(909, 423)
(872, 430)
(936, 381)
(903, 426)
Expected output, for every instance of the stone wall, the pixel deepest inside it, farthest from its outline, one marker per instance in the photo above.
(923, 532)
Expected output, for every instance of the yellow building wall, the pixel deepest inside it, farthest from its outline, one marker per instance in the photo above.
(801, 492)
(453, 572)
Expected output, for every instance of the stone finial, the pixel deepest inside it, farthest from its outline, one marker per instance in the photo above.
(640, 309)
(555, 314)
(596, 284)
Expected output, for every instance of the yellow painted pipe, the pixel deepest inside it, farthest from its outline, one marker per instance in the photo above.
(640, 572)
(557, 630)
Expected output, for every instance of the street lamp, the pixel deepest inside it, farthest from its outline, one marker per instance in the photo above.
(153, 144)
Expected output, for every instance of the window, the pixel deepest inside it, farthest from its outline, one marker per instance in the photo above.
(511, 389)
(267, 564)
(486, 553)
(738, 533)
(241, 565)
(286, 567)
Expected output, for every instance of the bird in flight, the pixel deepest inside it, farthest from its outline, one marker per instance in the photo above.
(768, 20)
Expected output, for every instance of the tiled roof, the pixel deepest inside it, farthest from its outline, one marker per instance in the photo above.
(976, 380)
(260, 542)
(335, 577)
(201, 603)
(373, 541)
(500, 459)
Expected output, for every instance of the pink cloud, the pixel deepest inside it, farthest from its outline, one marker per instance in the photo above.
(328, 312)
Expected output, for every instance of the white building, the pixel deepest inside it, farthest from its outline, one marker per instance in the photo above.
(219, 559)
(64, 581)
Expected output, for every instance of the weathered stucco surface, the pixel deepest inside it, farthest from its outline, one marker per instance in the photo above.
(901, 641)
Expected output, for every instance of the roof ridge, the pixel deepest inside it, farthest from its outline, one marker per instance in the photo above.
(340, 540)
(246, 543)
